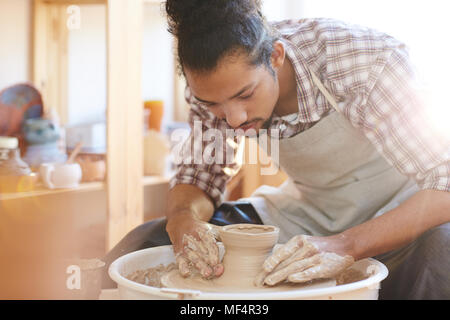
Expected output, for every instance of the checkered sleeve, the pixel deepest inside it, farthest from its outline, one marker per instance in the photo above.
(396, 120)
(209, 157)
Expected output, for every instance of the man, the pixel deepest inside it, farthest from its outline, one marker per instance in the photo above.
(368, 175)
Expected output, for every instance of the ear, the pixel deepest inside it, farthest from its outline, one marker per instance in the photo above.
(278, 55)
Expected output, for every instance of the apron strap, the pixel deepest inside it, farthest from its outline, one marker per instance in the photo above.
(324, 91)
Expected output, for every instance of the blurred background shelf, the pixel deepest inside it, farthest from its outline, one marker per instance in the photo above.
(79, 215)
(84, 187)
(41, 191)
(154, 180)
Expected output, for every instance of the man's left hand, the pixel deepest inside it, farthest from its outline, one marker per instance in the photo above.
(301, 259)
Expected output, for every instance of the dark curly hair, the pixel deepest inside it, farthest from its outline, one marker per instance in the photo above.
(208, 30)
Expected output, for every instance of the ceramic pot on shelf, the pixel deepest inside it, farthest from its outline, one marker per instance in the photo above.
(61, 175)
(42, 136)
(155, 116)
(15, 174)
(93, 170)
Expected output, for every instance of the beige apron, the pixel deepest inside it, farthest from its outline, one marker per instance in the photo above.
(337, 179)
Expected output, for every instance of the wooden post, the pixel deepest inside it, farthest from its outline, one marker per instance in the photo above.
(252, 177)
(124, 118)
(39, 45)
(50, 60)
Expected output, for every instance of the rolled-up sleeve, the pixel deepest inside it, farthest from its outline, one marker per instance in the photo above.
(209, 157)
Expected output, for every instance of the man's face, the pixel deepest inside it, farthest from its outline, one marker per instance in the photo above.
(242, 94)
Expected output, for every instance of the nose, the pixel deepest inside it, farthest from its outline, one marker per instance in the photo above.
(235, 115)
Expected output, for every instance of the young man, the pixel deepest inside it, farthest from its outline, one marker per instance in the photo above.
(368, 175)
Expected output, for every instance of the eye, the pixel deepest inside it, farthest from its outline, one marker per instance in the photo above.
(205, 104)
(247, 96)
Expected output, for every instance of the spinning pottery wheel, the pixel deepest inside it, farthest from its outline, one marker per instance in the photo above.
(237, 281)
(246, 248)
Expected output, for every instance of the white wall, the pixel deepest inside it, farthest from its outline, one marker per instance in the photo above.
(15, 20)
(282, 9)
(158, 60)
(422, 25)
(87, 67)
(87, 64)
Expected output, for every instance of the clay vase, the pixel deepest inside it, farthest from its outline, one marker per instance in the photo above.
(246, 248)
(14, 165)
(92, 170)
(156, 151)
(15, 174)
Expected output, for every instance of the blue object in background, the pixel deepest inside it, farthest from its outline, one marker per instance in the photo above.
(17, 104)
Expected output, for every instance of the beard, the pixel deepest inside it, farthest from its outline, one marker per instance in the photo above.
(266, 125)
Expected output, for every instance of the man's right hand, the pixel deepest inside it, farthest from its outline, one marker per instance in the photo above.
(194, 245)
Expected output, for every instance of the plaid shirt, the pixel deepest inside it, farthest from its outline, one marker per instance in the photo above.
(369, 73)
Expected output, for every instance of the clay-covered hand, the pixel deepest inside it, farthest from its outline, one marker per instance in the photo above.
(195, 247)
(301, 259)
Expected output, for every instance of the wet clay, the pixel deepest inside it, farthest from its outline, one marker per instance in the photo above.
(246, 248)
(349, 276)
(151, 276)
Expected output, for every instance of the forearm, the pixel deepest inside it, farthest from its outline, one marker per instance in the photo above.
(185, 199)
(398, 227)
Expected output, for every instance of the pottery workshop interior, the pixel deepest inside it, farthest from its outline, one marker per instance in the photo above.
(224, 149)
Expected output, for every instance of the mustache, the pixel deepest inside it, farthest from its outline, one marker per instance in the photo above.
(266, 125)
(249, 122)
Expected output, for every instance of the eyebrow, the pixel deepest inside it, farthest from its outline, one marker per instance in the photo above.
(234, 96)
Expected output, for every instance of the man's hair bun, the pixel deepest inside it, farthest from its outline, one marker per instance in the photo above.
(207, 30)
(191, 13)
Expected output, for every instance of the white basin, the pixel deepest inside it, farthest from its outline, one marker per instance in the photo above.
(366, 289)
